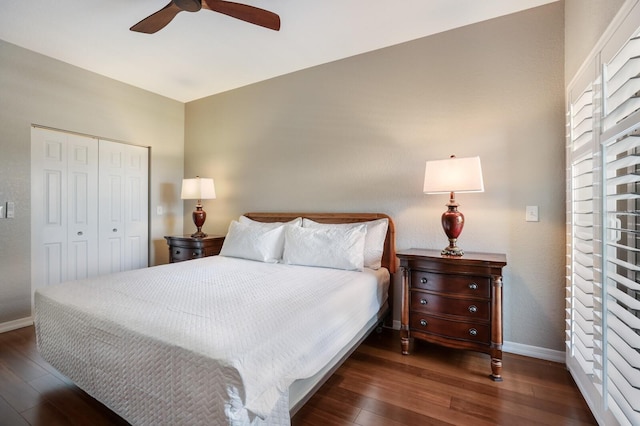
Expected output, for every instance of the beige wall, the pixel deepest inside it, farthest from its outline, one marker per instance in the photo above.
(353, 135)
(35, 89)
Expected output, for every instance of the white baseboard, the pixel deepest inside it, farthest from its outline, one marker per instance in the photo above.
(16, 324)
(520, 349)
(534, 352)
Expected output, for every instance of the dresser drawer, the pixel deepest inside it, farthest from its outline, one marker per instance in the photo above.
(184, 247)
(436, 304)
(469, 331)
(450, 283)
(178, 254)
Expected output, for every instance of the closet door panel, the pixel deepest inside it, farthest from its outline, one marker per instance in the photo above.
(82, 220)
(64, 181)
(111, 216)
(137, 208)
(52, 225)
(123, 207)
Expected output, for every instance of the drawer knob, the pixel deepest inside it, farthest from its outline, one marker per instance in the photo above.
(423, 322)
(79, 233)
(194, 254)
(423, 280)
(473, 286)
(473, 331)
(473, 309)
(423, 301)
(177, 251)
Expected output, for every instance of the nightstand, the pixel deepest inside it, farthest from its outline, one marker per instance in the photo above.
(185, 247)
(453, 301)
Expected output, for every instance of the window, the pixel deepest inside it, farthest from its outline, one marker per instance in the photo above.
(603, 227)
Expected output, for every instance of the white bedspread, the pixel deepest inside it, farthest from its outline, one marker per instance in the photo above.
(210, 341)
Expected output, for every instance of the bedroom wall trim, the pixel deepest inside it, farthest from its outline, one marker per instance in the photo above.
(16, 324)
(534, 352)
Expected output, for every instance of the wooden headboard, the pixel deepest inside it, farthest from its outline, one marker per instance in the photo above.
(389, 256)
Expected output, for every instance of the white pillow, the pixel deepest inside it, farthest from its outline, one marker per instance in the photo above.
(296, 222)
(374, 240)
(339, 248)
(254, 242)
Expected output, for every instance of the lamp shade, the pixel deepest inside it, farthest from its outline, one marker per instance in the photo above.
(198, 189)
(453, 175)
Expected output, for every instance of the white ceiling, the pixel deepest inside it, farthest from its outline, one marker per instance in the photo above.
(204, 53)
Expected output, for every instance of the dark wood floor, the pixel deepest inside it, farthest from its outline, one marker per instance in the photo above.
(376, 386)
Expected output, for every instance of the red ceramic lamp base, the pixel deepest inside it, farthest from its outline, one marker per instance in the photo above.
(452, 223)
(199, 216)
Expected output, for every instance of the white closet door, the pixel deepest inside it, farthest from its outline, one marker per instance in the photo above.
(123, 214)
(136, 248)
(64, 228)
(82, 213)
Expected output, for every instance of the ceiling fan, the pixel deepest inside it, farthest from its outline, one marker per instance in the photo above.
(253, 15)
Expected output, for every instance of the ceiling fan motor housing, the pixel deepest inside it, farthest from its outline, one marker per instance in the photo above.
(188, 5)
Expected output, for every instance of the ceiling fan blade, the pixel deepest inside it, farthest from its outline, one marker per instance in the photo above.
(158, 20)
(244, 12)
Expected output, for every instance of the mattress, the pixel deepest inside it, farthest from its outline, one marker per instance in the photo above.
(215, 340)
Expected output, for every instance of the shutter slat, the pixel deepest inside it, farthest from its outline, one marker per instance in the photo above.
(627, 91)
(623, 180)
(627, 317)
(629, 52)
(631, 395)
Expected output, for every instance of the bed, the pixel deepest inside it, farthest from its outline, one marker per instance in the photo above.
(244, 338)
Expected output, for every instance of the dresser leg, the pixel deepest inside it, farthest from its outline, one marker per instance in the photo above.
(405, 336)
(404, 341)
(496, 369)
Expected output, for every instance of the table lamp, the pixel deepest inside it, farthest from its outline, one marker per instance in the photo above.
(450, 176)
(198, 189)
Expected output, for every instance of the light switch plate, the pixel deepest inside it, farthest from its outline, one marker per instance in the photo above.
(531, 214)
(11, 209)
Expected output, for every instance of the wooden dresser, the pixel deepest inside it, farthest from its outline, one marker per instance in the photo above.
(453, 301)
(185, 247)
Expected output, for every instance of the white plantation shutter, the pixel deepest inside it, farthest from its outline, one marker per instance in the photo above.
(603, 225)
(622, 84)
(580, 286)
(622, 165)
